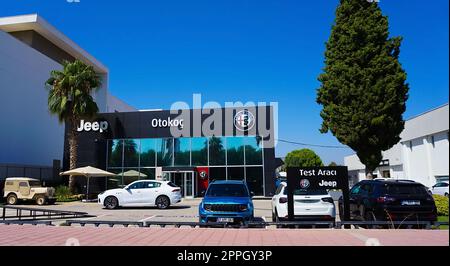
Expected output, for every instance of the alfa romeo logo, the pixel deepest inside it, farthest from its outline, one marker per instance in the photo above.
(203, 174)
(244, 120)
(304, 183)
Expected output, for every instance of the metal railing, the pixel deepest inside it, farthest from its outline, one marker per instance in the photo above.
(35, 213)
(390, 224)
(294, 224)
(109, 223)
(9, 222)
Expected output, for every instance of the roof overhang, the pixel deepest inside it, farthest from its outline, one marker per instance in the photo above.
(38, 24)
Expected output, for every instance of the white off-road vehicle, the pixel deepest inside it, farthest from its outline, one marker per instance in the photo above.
(24, 188)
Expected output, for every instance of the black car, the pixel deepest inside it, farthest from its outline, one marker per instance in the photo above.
(390, 200)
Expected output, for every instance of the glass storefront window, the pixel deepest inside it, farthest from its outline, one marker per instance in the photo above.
(253, 151)
(147, 173)
(182, 147)
(115, 148)
(114, 181)
(164, 149)
(217, 173)
(131, 152)
(130, 175)
(236, 173)
(199, 147)
(255, 180)
(148, 153)
(235, 151)
(217, 151)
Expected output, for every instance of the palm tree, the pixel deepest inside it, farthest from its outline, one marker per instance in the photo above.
(70, 99)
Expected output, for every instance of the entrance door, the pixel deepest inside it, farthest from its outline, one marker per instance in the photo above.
(185, 180)
(188, 185)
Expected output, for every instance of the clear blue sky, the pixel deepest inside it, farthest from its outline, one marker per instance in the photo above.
(159, 52)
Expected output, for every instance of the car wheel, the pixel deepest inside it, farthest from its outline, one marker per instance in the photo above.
(12, 199)
(40, 200)
(111, 202)
(162, 202)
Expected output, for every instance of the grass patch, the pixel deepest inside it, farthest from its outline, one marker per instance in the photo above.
(443, 219)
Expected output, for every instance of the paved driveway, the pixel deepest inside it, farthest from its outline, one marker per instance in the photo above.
(29, 235)
(186, 211)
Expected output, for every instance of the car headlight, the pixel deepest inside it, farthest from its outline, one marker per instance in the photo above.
(207, 207)
(243, 207)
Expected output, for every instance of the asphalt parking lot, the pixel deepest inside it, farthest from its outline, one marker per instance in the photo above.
(185, 211)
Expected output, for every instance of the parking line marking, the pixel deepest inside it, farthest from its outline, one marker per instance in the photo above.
(148, 218)
(264, 219)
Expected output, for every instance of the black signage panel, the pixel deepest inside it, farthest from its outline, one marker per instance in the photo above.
(331, 177)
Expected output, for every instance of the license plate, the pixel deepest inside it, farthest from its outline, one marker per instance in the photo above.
(411, 202)
(225, 220)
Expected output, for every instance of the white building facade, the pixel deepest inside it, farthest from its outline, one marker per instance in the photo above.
(421, 155)
(29, 49)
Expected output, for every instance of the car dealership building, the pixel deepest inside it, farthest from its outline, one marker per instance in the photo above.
(188, 147)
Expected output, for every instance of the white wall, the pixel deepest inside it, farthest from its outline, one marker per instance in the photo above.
(28, 134)
(425, 161)
(440, 154)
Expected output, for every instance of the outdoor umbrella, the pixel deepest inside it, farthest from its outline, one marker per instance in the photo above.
(88, 172)
(129, 175)
(132, 173)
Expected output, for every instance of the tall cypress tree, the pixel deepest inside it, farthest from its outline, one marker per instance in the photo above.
(363, 90)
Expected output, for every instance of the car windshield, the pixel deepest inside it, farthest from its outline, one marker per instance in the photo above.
(227, 190)
(34, 183)
(405, 189)
(311, 192)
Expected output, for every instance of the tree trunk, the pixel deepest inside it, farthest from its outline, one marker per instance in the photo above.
(369, 173)
(73, 150)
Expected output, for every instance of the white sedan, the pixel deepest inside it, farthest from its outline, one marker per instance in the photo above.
(440, 188)
(142, 193)
(309, 205)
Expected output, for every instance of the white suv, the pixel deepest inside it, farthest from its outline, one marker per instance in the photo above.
(309, 205)
(441, 188)
(142, 193)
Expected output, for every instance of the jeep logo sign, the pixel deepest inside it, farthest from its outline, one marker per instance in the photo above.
(324, 183)
(92, 126)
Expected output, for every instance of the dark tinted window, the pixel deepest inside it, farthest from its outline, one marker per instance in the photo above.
(23, 184)
(395, 189)
(356, 189)
(137, 185)
(301, 192)
(441, 185)
(172, 184)
(34, 183)
(227, 190)
(278, 190)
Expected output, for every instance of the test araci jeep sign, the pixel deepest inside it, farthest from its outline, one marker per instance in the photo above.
(332, 177)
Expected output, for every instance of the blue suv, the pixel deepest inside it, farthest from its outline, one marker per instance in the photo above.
(227, 202)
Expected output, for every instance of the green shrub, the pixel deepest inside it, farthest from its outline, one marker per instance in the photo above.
(63, 194)
(441, 204)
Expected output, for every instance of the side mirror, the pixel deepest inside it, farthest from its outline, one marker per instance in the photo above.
(252, 194)
(202, 193)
